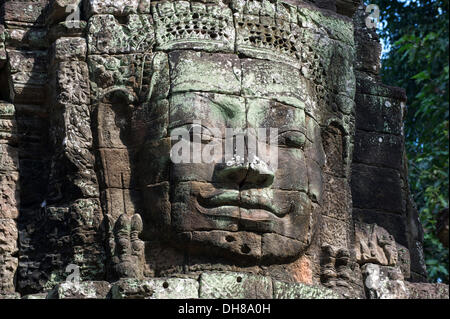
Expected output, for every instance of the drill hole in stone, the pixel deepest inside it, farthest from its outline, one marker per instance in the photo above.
(165, 285)
(239, 279)
(245, 249)
(230, 239)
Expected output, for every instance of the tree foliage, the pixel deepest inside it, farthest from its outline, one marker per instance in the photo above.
(417, 37)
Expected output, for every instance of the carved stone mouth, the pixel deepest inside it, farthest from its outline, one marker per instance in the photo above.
(233, 198)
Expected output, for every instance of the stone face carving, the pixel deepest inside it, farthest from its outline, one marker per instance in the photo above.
(88, 108)
(240, 209)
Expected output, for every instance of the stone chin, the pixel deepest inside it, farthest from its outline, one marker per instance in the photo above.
(267, 228)
(243, 247)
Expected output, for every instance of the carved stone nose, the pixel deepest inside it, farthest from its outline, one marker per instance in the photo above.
(259, 175)
(246, 175)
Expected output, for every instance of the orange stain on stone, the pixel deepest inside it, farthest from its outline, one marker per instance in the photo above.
(302, 271)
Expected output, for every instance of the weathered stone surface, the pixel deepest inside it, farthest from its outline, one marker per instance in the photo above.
(81, 290)
(198, 26)
(376, 188)
(128, 249)
(221, 73)
(57, 10)
(282, 290)
(117, 8)
(156, 288)
(24, 11)
(235, 285)
(69, 49)
(215, 111)
(427, 291)
(76, 28)
(71, 81)
(107, 36)
(375, 245)
(383, 282)
(8, 249)
(30, 37)
(378, 114)
(277, 81)
(378, 149)
(394, 224)
(2, 46)
(9, 201)
(9, 161)
(15, 295)
(387, 283)
(129, 77)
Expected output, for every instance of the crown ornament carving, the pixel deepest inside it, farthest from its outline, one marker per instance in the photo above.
(262, 29)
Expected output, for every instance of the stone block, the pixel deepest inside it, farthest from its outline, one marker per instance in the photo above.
(334, 232)
(155, 288)
(9, 201)
(273, 80)
(81, 290)
(378, 114)
(114, 7)
(29, 37)
(376, 188)
(205, 72)
(234, 286)
(427, 291)
(378, 149)
(9, 158)
(72, 84)
(208, 27)
(384, 282)
(284, 290)
(395, 224)
(67, 49)
(31, 12)
(107, 36)
(58, 10)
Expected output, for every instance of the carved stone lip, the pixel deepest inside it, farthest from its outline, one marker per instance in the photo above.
(233, 198)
